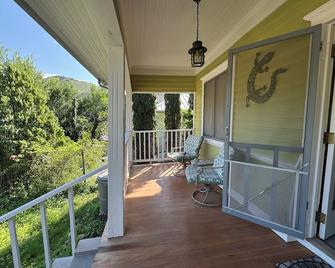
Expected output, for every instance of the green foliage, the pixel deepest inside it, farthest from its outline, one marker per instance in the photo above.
(62, 101)
(36, 157)
(172, 111)
(25, 119)
(187, 115)
(47, 169)
(78, 113)
(191, 101)
(93, 113)
(187, 118)
(144, 111)
(88, 224)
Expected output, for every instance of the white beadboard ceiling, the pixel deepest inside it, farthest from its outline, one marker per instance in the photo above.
(156, 33)
(83, 27)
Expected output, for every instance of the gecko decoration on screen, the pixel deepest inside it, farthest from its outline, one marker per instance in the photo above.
(263, 94)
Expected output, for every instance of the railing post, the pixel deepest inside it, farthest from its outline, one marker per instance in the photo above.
(14, 242)
(140, 145)
(72, 221)
(150, 158)
(145, 145)
(154, 145)
(46, 243)
(135, 147)
(171, 141)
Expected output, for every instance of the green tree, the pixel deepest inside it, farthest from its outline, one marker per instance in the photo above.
(93, 113)
(144, 106)
(62, 100)
(26, 121)
(191, 101)
(172, 111)
(25, 118)
(187, 115)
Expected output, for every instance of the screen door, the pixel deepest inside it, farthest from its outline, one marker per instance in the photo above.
(271, 101)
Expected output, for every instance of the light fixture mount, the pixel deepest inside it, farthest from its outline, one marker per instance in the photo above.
(197, 51)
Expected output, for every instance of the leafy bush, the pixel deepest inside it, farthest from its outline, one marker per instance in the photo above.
(187, 118)
(47, 169)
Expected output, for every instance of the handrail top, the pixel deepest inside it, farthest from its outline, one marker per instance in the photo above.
(52, 193)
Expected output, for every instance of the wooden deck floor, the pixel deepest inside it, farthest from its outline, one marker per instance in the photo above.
(165, 228)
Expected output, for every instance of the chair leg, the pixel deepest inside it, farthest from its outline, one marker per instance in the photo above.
(181, 171)
(206, 192)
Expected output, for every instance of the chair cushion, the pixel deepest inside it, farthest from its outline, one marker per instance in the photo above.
(219, 162)
(191, 173)
(180, 156)
(203, 175)
(192, 145)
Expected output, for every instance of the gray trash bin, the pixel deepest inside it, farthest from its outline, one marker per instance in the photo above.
(102, 180)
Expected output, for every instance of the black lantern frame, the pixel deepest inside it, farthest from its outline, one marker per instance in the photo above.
(197, 51)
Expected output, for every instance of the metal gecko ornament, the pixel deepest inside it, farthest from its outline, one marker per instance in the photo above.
(263, 94)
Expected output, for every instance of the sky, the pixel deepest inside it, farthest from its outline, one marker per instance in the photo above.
(20, 33)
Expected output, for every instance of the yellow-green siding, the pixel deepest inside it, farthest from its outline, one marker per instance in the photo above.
(280, 120)
(287, 18)
(162, 83)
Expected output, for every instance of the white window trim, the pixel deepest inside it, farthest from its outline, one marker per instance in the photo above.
(322, 15)
(215, 72)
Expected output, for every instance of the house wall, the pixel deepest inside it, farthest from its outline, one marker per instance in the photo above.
(287, 18)
(162, 83)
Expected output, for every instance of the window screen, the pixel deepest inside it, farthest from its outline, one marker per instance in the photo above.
(214, 107)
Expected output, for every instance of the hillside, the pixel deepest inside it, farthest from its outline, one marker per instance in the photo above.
(83, 86)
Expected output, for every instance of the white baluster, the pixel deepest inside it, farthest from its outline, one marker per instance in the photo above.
(171, 140)
(135, 146)
(14, 242)
(46, 243)
(72, 221)
(154, 144)
(150, 145)
(140, 144)
(167, 141)
(145, 145)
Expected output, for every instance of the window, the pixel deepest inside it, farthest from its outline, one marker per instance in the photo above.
(214, 107)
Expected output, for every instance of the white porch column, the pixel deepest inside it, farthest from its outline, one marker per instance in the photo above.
(116, 132)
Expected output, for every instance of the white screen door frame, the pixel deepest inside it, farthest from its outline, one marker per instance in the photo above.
(298, 228)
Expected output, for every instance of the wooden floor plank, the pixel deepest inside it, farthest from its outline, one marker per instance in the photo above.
(165, 228)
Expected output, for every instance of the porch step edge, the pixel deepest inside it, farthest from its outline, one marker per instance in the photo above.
(87, 246)
(63, 262)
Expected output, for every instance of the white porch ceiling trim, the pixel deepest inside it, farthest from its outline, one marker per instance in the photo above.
(323, 14)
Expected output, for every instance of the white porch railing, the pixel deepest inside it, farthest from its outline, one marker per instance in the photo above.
(154, 145)
(10, 218)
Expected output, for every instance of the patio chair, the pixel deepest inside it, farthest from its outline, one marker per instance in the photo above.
(190, 151)
(209, 176)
